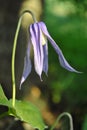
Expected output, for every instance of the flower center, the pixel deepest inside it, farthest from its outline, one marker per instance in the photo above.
(43, 38)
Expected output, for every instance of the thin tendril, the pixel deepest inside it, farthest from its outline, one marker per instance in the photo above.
(14, 51)
(60, 116)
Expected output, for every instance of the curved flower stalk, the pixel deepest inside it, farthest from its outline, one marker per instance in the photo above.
(14, 51)
(38, 39)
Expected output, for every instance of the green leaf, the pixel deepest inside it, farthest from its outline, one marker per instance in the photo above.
(3, 99)
(29, 113)
(2, 95)
(24, 111)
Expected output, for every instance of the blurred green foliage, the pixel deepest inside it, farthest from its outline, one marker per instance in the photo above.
(84, 127)
(67, 23)
(70, 32)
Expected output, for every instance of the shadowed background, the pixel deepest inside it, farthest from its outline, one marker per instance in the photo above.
(61, 91)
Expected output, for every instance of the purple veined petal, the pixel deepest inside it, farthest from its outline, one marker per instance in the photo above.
(45, 61)
(62, 59)
(35, 35)
(27, 64)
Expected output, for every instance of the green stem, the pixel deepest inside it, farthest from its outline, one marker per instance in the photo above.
(60, 116)
(14, 51)
(13, 62)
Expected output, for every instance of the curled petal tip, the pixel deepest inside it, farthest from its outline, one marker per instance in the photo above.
(65, 64)
(22, 80)
(78, 72)
(75, 71)
(41, 78)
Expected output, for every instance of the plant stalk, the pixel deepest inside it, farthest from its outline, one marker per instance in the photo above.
(14, 52)
(60, 116)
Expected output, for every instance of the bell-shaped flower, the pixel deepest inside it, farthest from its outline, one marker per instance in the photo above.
(38, 38)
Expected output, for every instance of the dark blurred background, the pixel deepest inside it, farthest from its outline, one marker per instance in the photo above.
(61, 91)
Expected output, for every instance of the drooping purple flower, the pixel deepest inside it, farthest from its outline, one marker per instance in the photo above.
(38, 38)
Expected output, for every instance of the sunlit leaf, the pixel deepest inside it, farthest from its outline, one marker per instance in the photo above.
(3, 99)
(24, 111)
(2, 95)
(29, 113)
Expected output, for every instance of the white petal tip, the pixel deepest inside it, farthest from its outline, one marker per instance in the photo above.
(41, 79)
(78, 72)
(22, 80)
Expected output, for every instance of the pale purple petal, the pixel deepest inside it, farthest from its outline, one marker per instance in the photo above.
(27, 65)
(62, 59)
(45, 62)
(36, 37)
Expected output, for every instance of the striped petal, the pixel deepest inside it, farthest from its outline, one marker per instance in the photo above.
(45, 62)
(62, 59)
(36, 37)
(27, 64)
